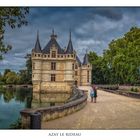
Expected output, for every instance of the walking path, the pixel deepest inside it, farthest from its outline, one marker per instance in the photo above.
(110, 112)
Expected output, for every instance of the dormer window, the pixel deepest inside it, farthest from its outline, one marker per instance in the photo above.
(53, 54)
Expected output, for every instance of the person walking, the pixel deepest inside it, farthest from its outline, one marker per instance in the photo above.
(95, 94)
(91, 94)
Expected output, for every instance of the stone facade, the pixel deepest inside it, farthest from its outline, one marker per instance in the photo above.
(56, 70)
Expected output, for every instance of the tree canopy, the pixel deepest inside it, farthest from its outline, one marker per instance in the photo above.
(12, 17)
(120, 63)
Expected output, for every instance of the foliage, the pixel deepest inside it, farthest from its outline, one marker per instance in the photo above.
(120, 63)
(132, 89)
(22, 77)
(12, 17)
(11, 78)
(16, 125)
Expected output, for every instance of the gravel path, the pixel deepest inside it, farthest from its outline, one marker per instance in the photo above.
(110, 112)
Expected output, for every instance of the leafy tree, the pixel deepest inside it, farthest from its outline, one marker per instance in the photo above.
(25, 76)
(29, 68)
(11, 78)
(12, 17)
(22, 77)
(120, 63)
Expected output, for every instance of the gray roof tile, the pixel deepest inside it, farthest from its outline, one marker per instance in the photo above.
(51, 43)
(70, 49)
(85, 61)
(78, 60)
(37, 47)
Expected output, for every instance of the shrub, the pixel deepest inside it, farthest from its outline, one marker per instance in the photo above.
(135, 90)
(132, 89)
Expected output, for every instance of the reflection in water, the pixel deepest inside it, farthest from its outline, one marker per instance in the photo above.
(12, 101)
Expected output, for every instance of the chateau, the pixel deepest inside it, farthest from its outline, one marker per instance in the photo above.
(55, 70)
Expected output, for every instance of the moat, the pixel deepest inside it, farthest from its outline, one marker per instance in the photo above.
(12, 101)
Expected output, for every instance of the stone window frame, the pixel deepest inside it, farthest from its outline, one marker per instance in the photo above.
(53, 77)
(33, 65)
(53, 65)
(53, 54)
(76, 67)
(73, 66)
(88, 76)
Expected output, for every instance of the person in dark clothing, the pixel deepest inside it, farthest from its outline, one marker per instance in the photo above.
(95, 94)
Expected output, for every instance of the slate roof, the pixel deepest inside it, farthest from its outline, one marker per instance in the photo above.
(69, 49)
(85, 61)
(50, 44)
(37, 47)
(78, 60)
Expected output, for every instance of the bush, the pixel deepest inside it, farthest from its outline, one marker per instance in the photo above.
(132, 89)
(135, 90)
(16, 124)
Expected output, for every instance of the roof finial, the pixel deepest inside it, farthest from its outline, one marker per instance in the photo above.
(53, 35)
(70, 33)
(37, 34)
(86, 51)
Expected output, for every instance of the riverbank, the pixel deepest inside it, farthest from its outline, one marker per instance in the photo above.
(17, 86)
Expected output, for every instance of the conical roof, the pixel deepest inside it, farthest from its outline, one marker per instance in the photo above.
(85, 61)
(37, 47)
(70, 49)
(78, 60)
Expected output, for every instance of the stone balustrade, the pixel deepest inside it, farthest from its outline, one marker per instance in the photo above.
(54, 112)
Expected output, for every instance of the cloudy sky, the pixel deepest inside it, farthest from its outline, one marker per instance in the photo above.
(92, 29)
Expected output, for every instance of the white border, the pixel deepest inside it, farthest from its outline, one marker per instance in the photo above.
(85, 135)
(69, 2)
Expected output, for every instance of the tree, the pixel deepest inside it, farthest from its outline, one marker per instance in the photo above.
(13, 17)
(11, 78)
(29, 68)
(120, 63)
(25, 76)
(123, 56)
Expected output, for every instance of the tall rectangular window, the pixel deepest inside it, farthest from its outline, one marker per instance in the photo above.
(72, 66)
(33, 65)
(53, 54)
(52, 77)
(53, 65)
(76, 73)
(87, 76)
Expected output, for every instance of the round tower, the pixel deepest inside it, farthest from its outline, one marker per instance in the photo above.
(86, 71)
(36, 69)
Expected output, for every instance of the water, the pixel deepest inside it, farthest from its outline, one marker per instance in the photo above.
(12, 101)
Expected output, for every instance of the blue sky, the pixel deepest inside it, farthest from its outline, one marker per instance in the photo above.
(92, 29)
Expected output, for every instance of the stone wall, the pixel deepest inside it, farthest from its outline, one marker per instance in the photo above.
(54, 112)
